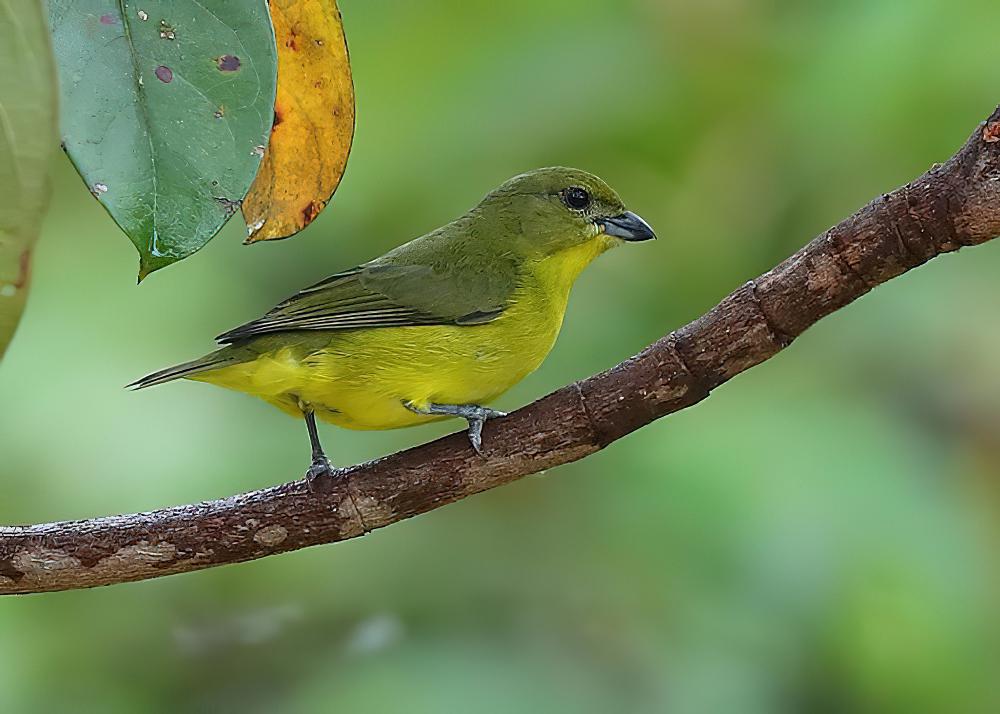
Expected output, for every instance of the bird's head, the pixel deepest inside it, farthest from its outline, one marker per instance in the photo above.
(552, 209)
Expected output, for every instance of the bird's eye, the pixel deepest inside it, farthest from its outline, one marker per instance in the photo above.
(576, 198)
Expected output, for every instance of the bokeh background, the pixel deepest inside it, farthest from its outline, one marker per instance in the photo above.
(821, 535)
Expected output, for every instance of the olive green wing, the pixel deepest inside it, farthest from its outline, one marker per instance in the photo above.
(381, 294)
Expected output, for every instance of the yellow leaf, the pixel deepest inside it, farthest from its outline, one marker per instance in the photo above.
(313, 121)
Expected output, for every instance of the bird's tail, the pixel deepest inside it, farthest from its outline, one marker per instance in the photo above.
(202, 364)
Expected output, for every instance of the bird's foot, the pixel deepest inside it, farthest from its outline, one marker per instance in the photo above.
(321, 468)
(472, 413)
(477, 417)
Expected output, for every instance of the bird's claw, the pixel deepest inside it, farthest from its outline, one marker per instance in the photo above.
(477, 418)
(320, 468)
(476, 434)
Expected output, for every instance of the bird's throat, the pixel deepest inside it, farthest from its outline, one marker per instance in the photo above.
(559, 271)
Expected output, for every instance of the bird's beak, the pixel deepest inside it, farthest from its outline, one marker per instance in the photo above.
(628, 226)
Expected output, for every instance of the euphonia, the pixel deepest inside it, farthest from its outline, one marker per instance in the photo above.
(436, 328)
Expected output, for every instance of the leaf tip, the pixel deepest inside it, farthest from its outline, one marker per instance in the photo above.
(254, 230)
(146, 268)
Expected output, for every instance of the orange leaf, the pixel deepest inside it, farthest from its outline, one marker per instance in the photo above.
(313, 121)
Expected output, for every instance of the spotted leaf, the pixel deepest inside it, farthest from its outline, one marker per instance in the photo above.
(166, 110)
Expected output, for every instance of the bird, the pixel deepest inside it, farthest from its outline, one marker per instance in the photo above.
(436, 328)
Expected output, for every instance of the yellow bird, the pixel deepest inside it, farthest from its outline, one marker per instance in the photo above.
(435, 328)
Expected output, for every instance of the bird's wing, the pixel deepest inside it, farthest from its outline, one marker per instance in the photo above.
(382, 294)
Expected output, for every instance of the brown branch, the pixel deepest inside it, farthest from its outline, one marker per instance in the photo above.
(952, 205)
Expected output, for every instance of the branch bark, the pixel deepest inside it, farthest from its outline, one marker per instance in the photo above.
(953, 205)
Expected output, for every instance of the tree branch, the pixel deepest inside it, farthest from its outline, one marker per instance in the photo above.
(952, 205)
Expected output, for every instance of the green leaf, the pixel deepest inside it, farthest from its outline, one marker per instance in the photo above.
(166, 110)
(27, 137)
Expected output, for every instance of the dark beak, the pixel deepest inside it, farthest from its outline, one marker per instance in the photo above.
(628, 226)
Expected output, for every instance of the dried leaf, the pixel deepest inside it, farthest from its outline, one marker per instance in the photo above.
(313, 121)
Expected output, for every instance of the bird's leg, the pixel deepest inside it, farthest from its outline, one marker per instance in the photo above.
(320, 464)
(472, 413)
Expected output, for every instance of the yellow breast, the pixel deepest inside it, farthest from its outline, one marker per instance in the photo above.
(361, 378)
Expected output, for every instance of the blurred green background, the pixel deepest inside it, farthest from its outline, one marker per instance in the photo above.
(821, 535)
